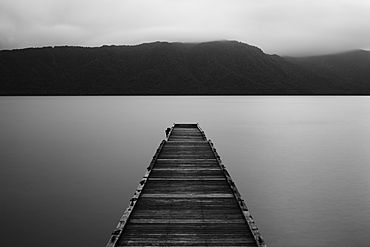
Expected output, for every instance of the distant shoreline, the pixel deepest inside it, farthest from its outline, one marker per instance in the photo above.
(174, 69)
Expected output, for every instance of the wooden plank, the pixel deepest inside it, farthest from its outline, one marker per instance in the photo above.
(188, 195)
(187, 198)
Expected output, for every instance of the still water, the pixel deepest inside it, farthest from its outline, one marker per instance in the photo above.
(69, 165)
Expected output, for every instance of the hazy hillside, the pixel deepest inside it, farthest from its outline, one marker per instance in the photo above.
(221, 67)
(351, 69)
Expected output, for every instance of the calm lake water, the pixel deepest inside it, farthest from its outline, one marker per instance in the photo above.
(69, 165)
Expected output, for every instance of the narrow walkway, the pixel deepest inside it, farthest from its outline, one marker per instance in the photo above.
(187, 198)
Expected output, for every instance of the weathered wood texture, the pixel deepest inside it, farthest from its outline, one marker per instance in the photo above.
(186, 199)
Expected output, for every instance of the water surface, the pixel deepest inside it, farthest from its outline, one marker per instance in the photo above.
(69, 165)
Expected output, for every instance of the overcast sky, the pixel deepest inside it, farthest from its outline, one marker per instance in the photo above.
(284, 27)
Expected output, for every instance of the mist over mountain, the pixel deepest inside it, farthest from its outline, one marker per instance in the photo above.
(350, 69)
(161, 68)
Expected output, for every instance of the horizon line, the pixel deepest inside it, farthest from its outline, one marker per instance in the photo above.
(181, 42)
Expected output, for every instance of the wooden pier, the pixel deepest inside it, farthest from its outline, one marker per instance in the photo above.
(186, 198)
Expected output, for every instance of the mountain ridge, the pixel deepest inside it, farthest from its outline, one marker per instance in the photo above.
(163, 68)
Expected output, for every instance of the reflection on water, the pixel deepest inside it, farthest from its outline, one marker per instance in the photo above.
(69, 165)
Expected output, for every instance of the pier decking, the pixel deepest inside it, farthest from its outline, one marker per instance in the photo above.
(186, 198)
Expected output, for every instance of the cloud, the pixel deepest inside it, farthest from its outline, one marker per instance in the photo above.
(300, 27)
(283, 26)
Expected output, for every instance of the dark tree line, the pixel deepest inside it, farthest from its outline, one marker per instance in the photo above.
(160, 68)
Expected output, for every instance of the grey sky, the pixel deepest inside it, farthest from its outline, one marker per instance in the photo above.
(285, 27)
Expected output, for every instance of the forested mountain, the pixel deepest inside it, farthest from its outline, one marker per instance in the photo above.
(219, 67)
(351, 70)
